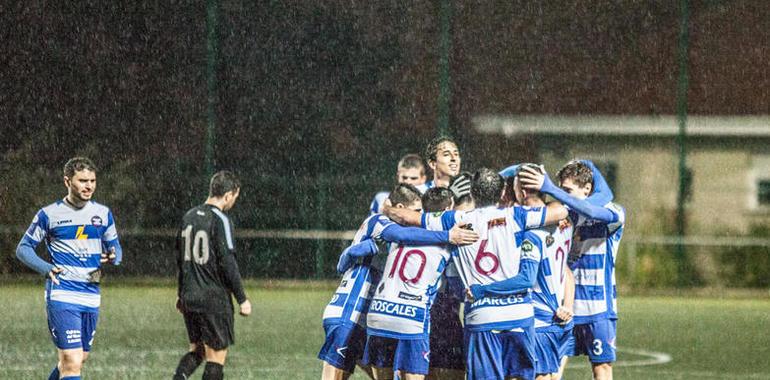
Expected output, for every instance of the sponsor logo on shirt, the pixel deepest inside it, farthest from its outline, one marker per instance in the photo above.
(499, 301)
(59, 222)
(393, 308)
(527, 246)
(409, 297)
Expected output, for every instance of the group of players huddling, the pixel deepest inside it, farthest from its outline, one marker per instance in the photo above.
(475, 276)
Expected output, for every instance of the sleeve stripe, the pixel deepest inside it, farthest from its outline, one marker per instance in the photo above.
(226, 222)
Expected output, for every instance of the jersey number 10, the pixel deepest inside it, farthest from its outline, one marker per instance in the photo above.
(401, 273)
(200, 246)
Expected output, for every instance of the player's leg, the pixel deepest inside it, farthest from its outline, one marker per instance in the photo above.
(518, 358)
(447, 359)
(566, 350)
(342, 348)
(379, 353)
(65, 327)
(194, 357)
(562, 366)
(484, 355)
(412, 359)
(215, 363)
(602, 351)
(217, 335)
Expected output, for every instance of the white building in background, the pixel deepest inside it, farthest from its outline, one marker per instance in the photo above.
(728, 160)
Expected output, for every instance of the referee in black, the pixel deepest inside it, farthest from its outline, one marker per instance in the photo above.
(208, 274)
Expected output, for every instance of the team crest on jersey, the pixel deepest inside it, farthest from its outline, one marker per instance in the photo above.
(96, 221)
(527, 246)
(549, 240)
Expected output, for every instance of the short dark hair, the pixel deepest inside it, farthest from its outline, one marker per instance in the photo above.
(76, 164)
(410, 161)
(577, 172)
(437, 199)
(486, 187)
(432, 149)
(222, 182)
(404, 194)
(465, 198)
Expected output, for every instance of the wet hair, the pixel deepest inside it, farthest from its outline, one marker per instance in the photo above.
(486, 187)
(223, 182)
(410, 161)
(465, 198)
(577, 172)
(537, 167)
(404, 194)
(76, 164)
(432, 149)
(437, 199)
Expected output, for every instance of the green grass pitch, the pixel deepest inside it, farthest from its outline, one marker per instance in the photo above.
(141, 336)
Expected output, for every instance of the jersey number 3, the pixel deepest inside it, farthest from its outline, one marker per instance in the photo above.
(200, 246)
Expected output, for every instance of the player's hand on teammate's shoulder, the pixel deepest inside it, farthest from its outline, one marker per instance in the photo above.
(54, 274)
(109, 256)
(245, 308)
(460, 235)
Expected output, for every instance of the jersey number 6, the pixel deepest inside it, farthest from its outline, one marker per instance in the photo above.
(481, 254)
(200, 246)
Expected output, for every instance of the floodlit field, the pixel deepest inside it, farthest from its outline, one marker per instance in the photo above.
(141, 336)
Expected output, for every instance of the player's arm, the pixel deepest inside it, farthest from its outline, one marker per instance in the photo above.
(25, 250)
(420, 236)
(534, 180)
(531, 249)
(602, 194)
(402, 216)
(112, 252)
(565, 310)
(355, 251)
(229, 266)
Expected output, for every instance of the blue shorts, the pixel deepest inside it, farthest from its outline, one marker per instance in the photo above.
(446, 334)
(407, 355)
(497, 355)
(595, 339)
(549, 346)
(72, 328)
(343, 347)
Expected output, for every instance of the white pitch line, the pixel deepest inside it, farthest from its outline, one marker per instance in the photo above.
(655, 358)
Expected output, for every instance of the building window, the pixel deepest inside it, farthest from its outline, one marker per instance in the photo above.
(763, 192)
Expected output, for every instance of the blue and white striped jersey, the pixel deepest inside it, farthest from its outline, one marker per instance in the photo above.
(379, 199)
(350, 301)
(75, 239)
(494, 257)
(401, 303)
(592, 259)
(548, 292)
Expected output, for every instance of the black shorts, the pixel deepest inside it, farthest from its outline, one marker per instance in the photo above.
(213, 329)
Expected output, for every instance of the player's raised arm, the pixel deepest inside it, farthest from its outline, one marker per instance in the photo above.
(532, 179)
(355, 251)
(601, 194)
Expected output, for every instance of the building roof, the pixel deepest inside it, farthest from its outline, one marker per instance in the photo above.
(623, 125)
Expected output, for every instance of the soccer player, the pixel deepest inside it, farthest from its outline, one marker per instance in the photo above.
(411, 171)
(398, 322)
(208, 275)
(443, 157)
(554, 288)
(498, 270)
(344, 318)
(446, 336)
(80, 236)
(598, 230)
